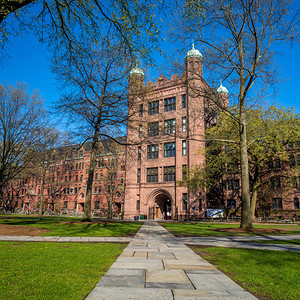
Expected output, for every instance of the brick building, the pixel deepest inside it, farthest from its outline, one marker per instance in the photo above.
(165, 138)
(166, 129)
(64, 182)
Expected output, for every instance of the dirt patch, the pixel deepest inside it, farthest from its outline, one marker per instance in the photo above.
(251, 230)
(21, 230)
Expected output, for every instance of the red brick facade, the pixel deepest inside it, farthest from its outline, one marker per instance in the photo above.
(166, 131)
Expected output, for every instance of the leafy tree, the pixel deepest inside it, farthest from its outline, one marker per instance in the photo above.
(270, 133)
(237, 38)
(95, 84)
(23, 125)
(63, 24)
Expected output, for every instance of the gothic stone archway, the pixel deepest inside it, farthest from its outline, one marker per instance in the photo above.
(162, 204)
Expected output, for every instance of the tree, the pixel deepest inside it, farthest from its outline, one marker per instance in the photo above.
(22, 127)
(95, 82)
(270, 131)
(238, 38)
(63, 24)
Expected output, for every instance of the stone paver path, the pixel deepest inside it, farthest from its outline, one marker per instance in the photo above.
(156, 265)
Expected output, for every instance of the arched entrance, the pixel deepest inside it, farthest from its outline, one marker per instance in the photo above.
(162, 204)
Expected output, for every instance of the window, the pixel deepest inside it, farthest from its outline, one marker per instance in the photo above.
(170, 126)
(169, 173)
(184, 201)
(184, 172)
(170, 104)
(294, 182)
(97, 205)
(141, 110)
(169, 149)
(292, 161)
(100, 189)
(75, 190)
(138, 175)
(75, 205)
(152, 151)
(296, 203)
(270, 164)
(139, 153)
(96, 176)
(231, 204)
(183, 148)
(200, 202)
(183, 101)
(153, 129)
(95, 189)
(140, 131)
(275, 182)
(183, 123)
(277, 164)
(233, 184)
(153, 108)
(138, 205)
(152, 175)
(65, 204)
(277, 203)
(81, 153)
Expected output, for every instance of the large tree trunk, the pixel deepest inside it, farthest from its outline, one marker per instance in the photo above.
(246, 220)
(89, 186)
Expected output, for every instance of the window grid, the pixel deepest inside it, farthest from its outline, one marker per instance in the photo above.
(153, 108)
(152, 151)
(170, 126)
(153, 129)
(184, 148)
(139, 153)
(141, 110)
(152, 174)
(138, 175)
(183, 123)
(183, 101)
(169, 173)
(277, 203)
(169, 149)
(184, 201)
(170, 104)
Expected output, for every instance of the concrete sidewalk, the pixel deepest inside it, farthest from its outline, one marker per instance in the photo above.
(245, 242)
(156, 265)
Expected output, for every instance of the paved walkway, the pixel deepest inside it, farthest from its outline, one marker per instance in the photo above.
(245, 242)
(156, 265)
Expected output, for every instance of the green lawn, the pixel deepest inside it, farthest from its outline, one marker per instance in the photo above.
(211, 229)
(64, 226)
(53, 270)
(266, 274)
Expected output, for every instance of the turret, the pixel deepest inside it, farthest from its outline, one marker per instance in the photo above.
(193, 63)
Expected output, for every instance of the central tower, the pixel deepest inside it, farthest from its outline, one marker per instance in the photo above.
(165, 133)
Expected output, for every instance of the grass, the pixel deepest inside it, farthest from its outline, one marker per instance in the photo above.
(53, 270)
(210, 229)
(266, 274)
(64, 226)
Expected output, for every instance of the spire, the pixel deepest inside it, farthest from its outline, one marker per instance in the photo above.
(136, 70)
(222, 89)
(193, 52)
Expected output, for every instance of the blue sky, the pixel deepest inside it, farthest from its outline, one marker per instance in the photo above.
(28, 63)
